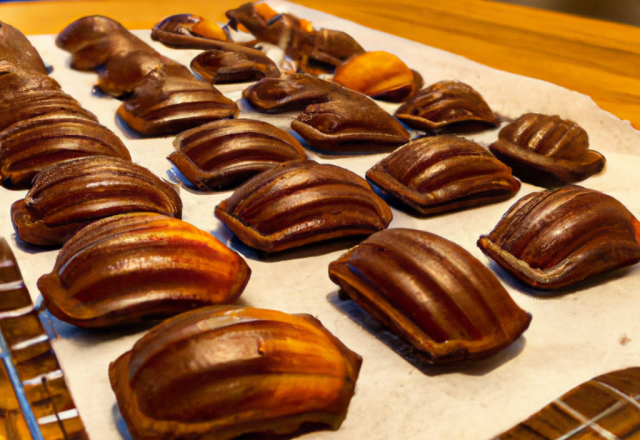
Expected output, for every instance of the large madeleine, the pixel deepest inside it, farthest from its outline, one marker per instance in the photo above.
(220, 372)
(129, 267)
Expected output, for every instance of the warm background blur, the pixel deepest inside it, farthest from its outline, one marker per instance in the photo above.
(622, 11)
(595, 56)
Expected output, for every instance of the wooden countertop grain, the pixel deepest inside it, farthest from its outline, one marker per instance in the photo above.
(598, 58)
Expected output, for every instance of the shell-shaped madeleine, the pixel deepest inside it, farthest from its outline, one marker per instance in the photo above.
(171, 100)
(302, 202)
(447, 106)
(605, 407)
(553, 239)
(187, 25)
(334, 118)
(69, 195)
(220, 372)
(30, 145)
(432, 293)
(128, 267)
(185, 31)
(225, 153)
(220, 67)
(379, 74)
(547, 151)
(441, 173)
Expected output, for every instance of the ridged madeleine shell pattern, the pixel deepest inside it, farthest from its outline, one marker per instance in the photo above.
(547, 151)
(441, 173)
(553, 239)
(129, 267)
(334, 118)
(220, 372)
(604, 408)
(302, 202)
(70, 195)
(26, 95)
(432, 293)
(40, 125)
(164, 96)
(225, 153)
(447, 105)
(30, 145)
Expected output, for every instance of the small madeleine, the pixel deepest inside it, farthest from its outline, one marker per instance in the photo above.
(377, 74)
(432, 293)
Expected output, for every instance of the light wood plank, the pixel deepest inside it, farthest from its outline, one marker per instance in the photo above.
(598, 58)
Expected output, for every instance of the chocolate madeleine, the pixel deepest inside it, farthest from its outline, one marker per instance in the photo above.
(220, 67)
(302, 202)
(220, 372)
(449, 106)
(441, 173)
(333, 117)
(187, 31)
(226, 153)
(553, 239)
(68, 196)
(163, 96)
(432, 293)
(604, 408)
(33, 144)
(547, 151)
(308, 47)
(379, 74)
(128, 267)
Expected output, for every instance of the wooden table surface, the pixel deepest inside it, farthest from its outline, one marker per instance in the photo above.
(597, 58)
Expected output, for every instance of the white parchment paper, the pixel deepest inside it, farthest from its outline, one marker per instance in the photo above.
(590, 330)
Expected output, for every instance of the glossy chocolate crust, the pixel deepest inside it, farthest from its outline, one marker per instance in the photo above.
(604, 408)
(27, 94)
(16, 49)
(162, 96)
(333, 117)
(449, 106)
(29, 146)
(220, 67)
(553, 239)
(40, 125)
(70, 195)
(327, 46)
(178, 31)
(432, 293)
(226, 153)
(125, 268)
(220, 372)
(302, 202)
(441, 173)
(547, 151)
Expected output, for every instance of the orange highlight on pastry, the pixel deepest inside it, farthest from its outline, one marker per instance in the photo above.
(376, 74)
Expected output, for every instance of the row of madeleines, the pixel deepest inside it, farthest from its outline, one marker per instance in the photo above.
(128, 257)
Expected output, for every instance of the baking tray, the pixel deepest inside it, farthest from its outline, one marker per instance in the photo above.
(573, 337)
